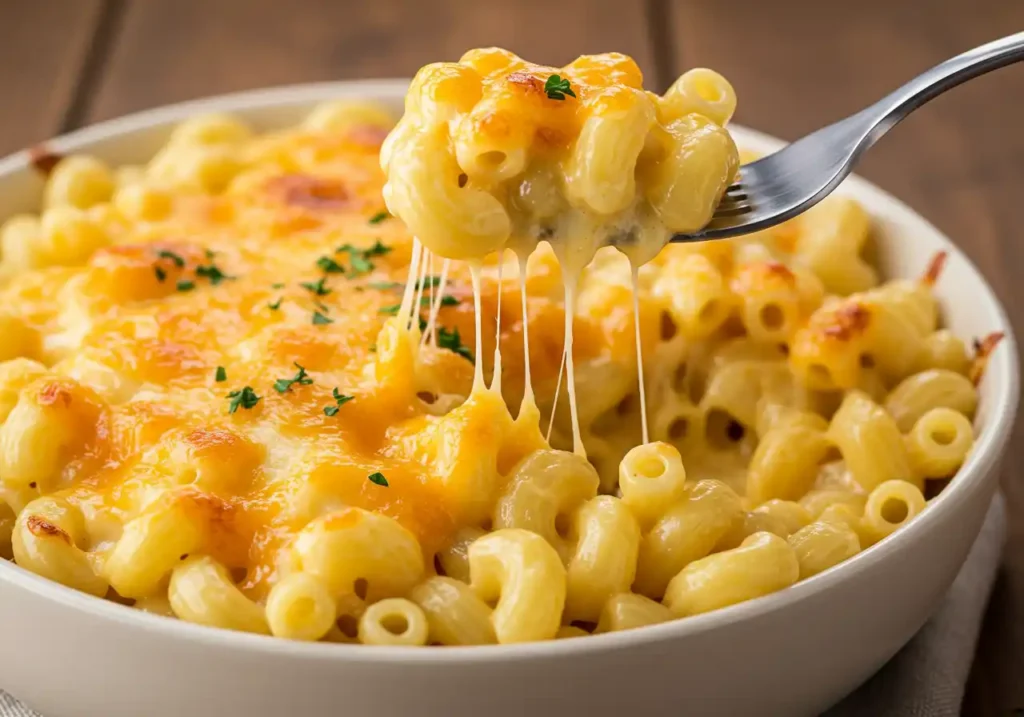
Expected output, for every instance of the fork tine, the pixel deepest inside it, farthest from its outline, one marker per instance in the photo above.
(732, 208)
(718, 223)
(734, 197)
(733, 211)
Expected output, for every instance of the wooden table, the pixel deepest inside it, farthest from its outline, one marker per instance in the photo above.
(796, 65)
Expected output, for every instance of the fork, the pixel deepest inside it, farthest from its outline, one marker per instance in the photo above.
(794, 179)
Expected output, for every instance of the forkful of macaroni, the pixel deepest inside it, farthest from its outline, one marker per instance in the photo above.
(495, 153)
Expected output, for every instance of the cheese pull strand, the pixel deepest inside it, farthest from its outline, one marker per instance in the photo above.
(406, 309)
(435, 304)
(496, 377)
(554, 401)
(478, 375)
(639, 352)
(571, 291)
(529, 404)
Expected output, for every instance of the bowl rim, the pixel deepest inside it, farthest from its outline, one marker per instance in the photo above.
(983, 460)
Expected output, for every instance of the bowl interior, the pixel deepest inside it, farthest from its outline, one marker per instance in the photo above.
(903, 242)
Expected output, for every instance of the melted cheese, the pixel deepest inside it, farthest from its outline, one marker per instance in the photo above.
(279, 272)
(641, 387)
(495, 152)
(529, 403)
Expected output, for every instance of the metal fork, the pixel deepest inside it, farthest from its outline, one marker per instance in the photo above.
(794, 179)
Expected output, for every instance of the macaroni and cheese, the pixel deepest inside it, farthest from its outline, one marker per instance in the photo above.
(234, 389)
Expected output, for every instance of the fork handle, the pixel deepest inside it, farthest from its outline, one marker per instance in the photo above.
(895, 106)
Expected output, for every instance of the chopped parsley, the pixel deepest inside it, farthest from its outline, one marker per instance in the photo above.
(160, 273)
(361, 265)
(281, 385)
(390, 310)
(430, 282)
(379, 479)
(329, 266)
(246, 398)
(275, 305)
(277, 285)
(379, 217)
(453, 342)
(185, 285)
(220, 375)
(320, 320)
(319, 288)
(340, 400)
(210, 253)
(212, 272)
(379, 248)
(447, 300)
(557, 88)
(359, 259)
(385, 285)
(176, 258)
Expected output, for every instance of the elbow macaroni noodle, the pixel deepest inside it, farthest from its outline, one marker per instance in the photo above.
(217, 403)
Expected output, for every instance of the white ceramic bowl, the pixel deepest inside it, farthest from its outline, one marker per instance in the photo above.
(792, 653)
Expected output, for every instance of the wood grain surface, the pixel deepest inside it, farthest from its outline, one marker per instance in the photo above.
(171, 50)
(796, 65)
(45, 47)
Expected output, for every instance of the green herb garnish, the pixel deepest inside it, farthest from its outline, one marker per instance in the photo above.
(176, 258)
(329, 266)
(319, 288)
(385, 285)
(246, 398)
(185, 285)
(320, 320)
(359, 259)
(379, 248)
(160, 273)
(557, 88)
(379, 217)
(281, 385)
(453, 342)
(277, 285)
(429, 282)
(340, 400)
(275, 305)
(220, 375)
(212, 272)
(447, 300)
(379, 479)
(390, 310)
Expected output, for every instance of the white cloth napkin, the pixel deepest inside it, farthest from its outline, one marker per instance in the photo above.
(927, 677)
